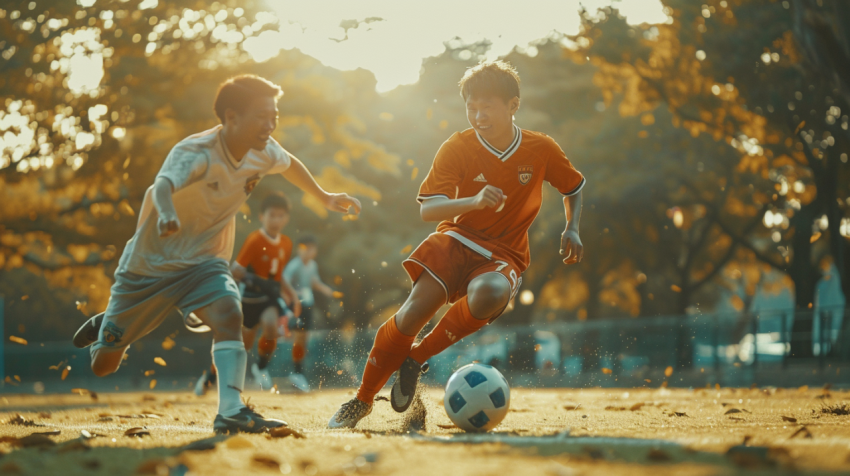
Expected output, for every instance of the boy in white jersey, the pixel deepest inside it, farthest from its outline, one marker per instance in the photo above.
(178, 257)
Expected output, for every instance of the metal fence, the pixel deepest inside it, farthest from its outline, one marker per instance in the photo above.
(697, 350)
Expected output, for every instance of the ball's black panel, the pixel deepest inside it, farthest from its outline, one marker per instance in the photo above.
(498, 398)
(474, 378)
(456, 401)
(479, 419)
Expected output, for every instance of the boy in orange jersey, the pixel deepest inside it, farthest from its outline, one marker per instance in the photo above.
(259, 269)
(485, 189)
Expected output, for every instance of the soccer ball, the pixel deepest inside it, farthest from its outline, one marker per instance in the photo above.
(477, 398)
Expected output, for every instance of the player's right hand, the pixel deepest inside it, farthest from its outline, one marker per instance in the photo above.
(168, 225)
(489, 197)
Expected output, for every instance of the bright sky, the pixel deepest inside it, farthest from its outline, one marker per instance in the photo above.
(393, 49)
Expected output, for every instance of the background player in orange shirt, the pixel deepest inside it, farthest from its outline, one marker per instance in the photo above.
(485, 189)
(259, 269)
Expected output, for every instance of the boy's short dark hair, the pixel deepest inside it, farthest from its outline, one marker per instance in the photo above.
(490, 78)
(239, 91)
(308, 240)
(275, 200)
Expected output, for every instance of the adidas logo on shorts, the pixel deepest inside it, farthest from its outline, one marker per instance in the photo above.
(480, 178)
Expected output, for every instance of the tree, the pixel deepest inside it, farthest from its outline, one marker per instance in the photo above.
(748, 44)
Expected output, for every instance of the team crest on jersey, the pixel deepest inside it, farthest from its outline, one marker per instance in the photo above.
(250, 183)
(112, 334)
(525, 173)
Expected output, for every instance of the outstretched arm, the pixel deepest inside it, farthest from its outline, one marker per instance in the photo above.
(321, 287)
(439, 209)
(571, 247)
(168, 224)
(299, 176)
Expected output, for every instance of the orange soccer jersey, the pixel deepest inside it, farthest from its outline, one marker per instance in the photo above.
(466, 163)
(266, 256)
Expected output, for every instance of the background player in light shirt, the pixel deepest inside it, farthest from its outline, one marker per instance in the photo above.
(259, 269)
(179, 256)
(485, 189)
(303, 274)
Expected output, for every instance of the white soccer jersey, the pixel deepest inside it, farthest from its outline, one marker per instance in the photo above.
(209, 188)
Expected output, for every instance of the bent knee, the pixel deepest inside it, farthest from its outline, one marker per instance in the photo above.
(487, 295)
(227, 314)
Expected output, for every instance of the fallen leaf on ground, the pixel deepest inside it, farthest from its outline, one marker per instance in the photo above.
(19, 420)
(734, 418)
(787, 418)
(572, 407)
(636, 406)
(732, 410)
(266, 461)
(801, 431)
(447, 427)
(284, 431)
(47, 433)
(381, 398)
(137, 431)
(616, 409)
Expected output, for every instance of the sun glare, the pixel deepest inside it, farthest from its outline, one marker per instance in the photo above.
(391, 38)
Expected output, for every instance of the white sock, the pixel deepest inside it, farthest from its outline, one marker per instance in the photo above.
(231, 360)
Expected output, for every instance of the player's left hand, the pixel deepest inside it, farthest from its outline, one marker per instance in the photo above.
(343, 203)
(571, 247)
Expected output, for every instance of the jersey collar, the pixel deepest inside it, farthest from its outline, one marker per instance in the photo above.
(228, 156)
(503, 156)
(274, 241)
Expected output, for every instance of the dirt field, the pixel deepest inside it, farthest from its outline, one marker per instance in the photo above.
(699, 427)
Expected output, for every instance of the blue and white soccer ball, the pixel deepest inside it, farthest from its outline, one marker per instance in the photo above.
(477, 398)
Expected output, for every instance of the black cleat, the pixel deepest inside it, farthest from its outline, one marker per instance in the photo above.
(404, 387)
(263, 361)
(246, 421)
(88, 333)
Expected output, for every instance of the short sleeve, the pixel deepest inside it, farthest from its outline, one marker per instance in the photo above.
(445, 175)
(184, 165)
(248, 252)
(290, 270)
(280, 158)
(561, 174)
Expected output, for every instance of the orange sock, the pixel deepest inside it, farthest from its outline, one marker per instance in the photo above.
(298, 352)
(266, 347)
(390, 349)
(454, 326)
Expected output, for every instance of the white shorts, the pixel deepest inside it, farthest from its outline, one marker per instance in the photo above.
(138, 304)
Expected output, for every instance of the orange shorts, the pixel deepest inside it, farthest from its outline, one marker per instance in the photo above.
(455, 265)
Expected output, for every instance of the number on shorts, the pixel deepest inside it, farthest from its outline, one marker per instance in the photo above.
(502, 265)
(514, 279)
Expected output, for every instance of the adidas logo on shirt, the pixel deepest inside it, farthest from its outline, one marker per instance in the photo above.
(451, 336)
(373, 361)
(480, 178)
